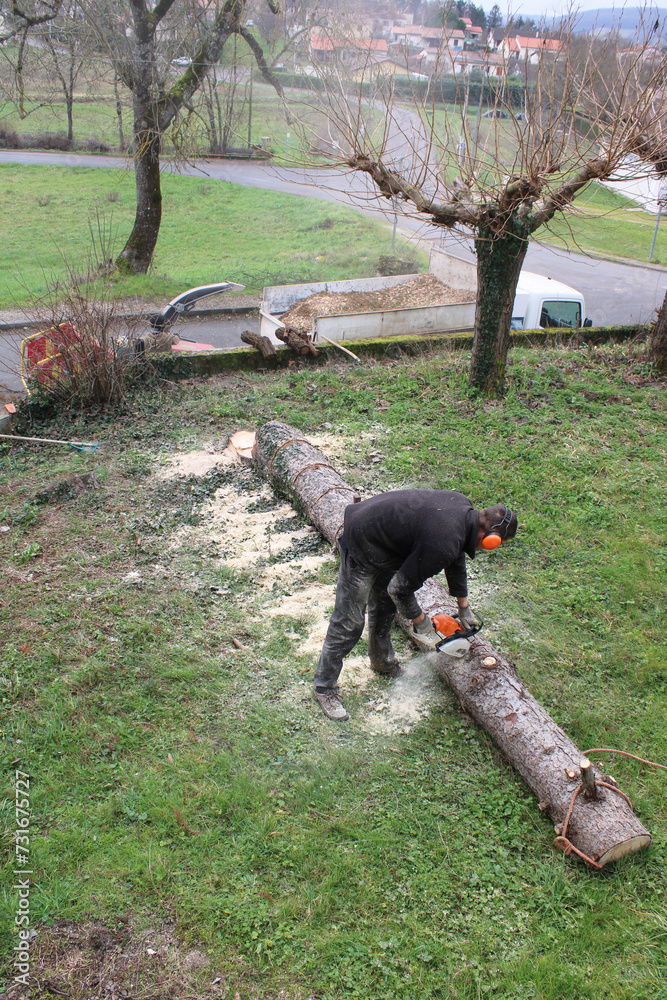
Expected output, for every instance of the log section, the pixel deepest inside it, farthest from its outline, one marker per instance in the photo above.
(299, 342)
(598, 830)
(263, 344)
(305, 475)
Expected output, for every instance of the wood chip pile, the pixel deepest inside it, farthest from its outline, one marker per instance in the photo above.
(424, 290)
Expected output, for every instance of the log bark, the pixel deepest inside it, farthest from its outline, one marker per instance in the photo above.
(303, 474)
(487, 684)
(263, 344)
(299, 342)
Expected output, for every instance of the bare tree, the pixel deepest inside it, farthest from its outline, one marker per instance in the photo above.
(64, 44)
(507, 174)
(653, 149)
(17, 19)
(17, 22)
(137, 33)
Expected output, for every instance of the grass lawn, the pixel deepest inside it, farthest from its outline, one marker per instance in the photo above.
(198, 828)
(608, 224)
(97, 119)
(91, 118)
(211, 231)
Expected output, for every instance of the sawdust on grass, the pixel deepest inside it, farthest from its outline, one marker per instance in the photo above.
(250, 529)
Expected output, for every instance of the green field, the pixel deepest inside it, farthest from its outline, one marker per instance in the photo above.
(211, 231)
(197, 827)
(607, 224)
(263, 118)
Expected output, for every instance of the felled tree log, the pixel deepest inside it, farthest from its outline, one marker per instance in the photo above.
(598, 829)
(263, 344)
(299, 342)
(303, 474)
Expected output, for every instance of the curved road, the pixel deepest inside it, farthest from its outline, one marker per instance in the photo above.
(614, 292)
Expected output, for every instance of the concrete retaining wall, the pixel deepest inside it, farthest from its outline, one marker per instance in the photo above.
(185, 366)
(452, 271)
(396, 322)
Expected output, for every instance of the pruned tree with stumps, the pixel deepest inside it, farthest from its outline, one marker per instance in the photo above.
(502, 170)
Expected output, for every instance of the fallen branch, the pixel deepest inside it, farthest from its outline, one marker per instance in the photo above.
(334, 343)
(262, 344)
(598, 830)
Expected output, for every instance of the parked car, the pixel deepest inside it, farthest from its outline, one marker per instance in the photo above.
(495, 113)
(181, 61)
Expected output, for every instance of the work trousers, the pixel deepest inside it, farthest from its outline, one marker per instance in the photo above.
(358, 587)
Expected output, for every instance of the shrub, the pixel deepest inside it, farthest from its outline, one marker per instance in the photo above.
(49, 140)
(93, 145)
(93, 361)
(9, 139)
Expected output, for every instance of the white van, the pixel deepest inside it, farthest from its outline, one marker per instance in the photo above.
(545, 302)
(539, 302)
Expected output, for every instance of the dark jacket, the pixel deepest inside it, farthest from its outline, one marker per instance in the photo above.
(415, 534)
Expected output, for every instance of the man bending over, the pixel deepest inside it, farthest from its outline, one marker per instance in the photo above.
(390, 545)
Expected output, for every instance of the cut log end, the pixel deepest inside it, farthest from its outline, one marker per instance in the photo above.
(627, 847)
(299, 342)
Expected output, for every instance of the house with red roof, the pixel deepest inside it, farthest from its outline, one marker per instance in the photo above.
(351, 50)
(530, 50)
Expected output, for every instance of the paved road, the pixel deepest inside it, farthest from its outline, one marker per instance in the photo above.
(614, 292)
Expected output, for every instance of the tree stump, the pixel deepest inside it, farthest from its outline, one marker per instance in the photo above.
(599, 829)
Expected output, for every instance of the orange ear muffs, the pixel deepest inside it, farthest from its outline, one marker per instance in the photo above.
(491, 541)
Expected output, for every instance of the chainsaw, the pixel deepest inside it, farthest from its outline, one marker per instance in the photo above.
(453, 635)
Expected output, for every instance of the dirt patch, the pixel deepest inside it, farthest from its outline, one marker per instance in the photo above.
(94, 962)
(424, 290)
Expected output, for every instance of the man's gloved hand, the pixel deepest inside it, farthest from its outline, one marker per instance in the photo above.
(424, 632)
(467, 617)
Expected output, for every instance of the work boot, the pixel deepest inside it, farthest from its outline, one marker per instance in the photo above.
(332, 706)
(383, 657)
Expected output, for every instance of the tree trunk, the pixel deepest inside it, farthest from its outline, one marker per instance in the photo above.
(69, 101)
(263, 344)
(499, 262)
(487, 685)
(137, 254)
(658, 348)
(209, 91)
(299, 342)
(119, 112)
